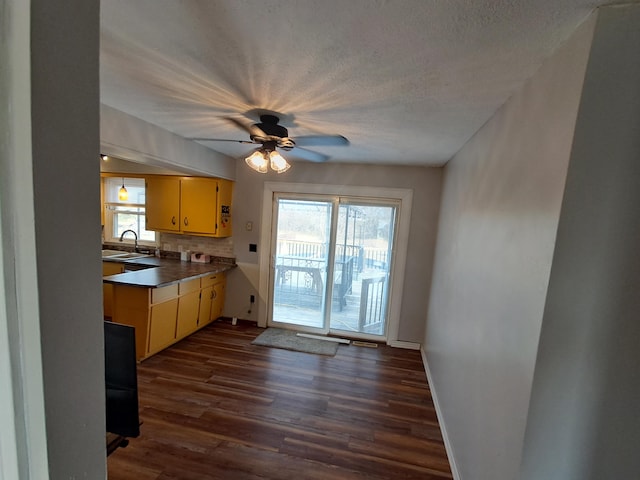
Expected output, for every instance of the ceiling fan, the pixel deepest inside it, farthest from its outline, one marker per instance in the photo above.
(272, 136)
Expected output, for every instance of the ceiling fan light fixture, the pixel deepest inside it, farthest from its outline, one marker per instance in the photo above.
(278, 163)
(274, 136)
(257, 161)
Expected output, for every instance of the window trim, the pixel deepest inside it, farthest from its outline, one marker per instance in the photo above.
(110, 211)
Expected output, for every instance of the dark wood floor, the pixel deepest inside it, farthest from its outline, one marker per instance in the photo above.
(215, 406)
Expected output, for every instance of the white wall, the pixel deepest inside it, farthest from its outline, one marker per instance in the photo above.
(130, 138)
(584, 422)
(500, 208)
(65, 143)
(247, 206)
(23, 443)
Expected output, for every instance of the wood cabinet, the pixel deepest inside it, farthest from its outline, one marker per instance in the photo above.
(153, 313)
(132, 306)
(204, 309)
(217, 306)
(109, 268)
(162, 325)
(190, 205)
(212, 297)
(164, 315)
(198, 203)
(188, 307)
(162, 208)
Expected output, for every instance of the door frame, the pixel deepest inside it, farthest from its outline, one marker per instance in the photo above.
(403, 195)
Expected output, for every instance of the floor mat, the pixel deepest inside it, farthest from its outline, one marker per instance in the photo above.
(288, 340)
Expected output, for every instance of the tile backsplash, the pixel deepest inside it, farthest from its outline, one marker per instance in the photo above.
(217, 247)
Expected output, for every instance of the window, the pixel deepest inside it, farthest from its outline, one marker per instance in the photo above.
(128, 214)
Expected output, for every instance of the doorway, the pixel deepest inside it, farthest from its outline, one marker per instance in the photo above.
(404, 199)
(332, 260)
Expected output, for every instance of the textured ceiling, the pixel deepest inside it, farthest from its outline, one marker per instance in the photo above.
(407, 81)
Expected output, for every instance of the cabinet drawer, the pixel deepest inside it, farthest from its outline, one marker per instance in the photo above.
(163, 294)
(189, 286)
(211, 279)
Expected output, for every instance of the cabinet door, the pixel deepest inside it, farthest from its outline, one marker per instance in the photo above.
(162, 325)
(206, 299)
(218, 300)
(188, 307)
(162, 205)
(198, 205)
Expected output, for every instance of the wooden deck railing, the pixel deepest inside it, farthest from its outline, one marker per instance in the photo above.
(365, 257)
(299, 277)
(372, 303)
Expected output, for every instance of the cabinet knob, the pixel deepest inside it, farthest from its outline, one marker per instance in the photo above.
(186, 221)
(173, 220)
(211, 295)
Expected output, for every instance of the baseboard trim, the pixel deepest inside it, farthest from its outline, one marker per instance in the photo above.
(405, 345)
(443, 428)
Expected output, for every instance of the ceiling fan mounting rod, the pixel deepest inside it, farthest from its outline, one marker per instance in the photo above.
(269, 126)
(269, 146)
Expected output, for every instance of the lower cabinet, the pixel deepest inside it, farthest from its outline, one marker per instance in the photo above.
(109, 268)
(163, 310)
(164, 315)
(212, 297)
(188, 307)
(204, 308)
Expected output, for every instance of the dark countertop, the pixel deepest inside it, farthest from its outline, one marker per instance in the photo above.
(161, 272)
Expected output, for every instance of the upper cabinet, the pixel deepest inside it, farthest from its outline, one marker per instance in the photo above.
(162, 204)
(191, 205)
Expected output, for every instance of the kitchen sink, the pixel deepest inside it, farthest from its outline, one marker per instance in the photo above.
(120, 255)
(133, 255)
(112, 253)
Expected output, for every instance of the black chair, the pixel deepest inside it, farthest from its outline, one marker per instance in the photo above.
(121, 381)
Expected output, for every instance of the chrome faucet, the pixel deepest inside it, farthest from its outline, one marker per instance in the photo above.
(135, 235)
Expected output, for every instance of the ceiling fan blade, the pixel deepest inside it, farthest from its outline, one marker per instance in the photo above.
(253, 130)
(321, 141)
(221, 140)
(309, 155)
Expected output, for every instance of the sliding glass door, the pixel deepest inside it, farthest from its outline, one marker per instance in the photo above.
(331, 263)
(303, 236)
(362, 262)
